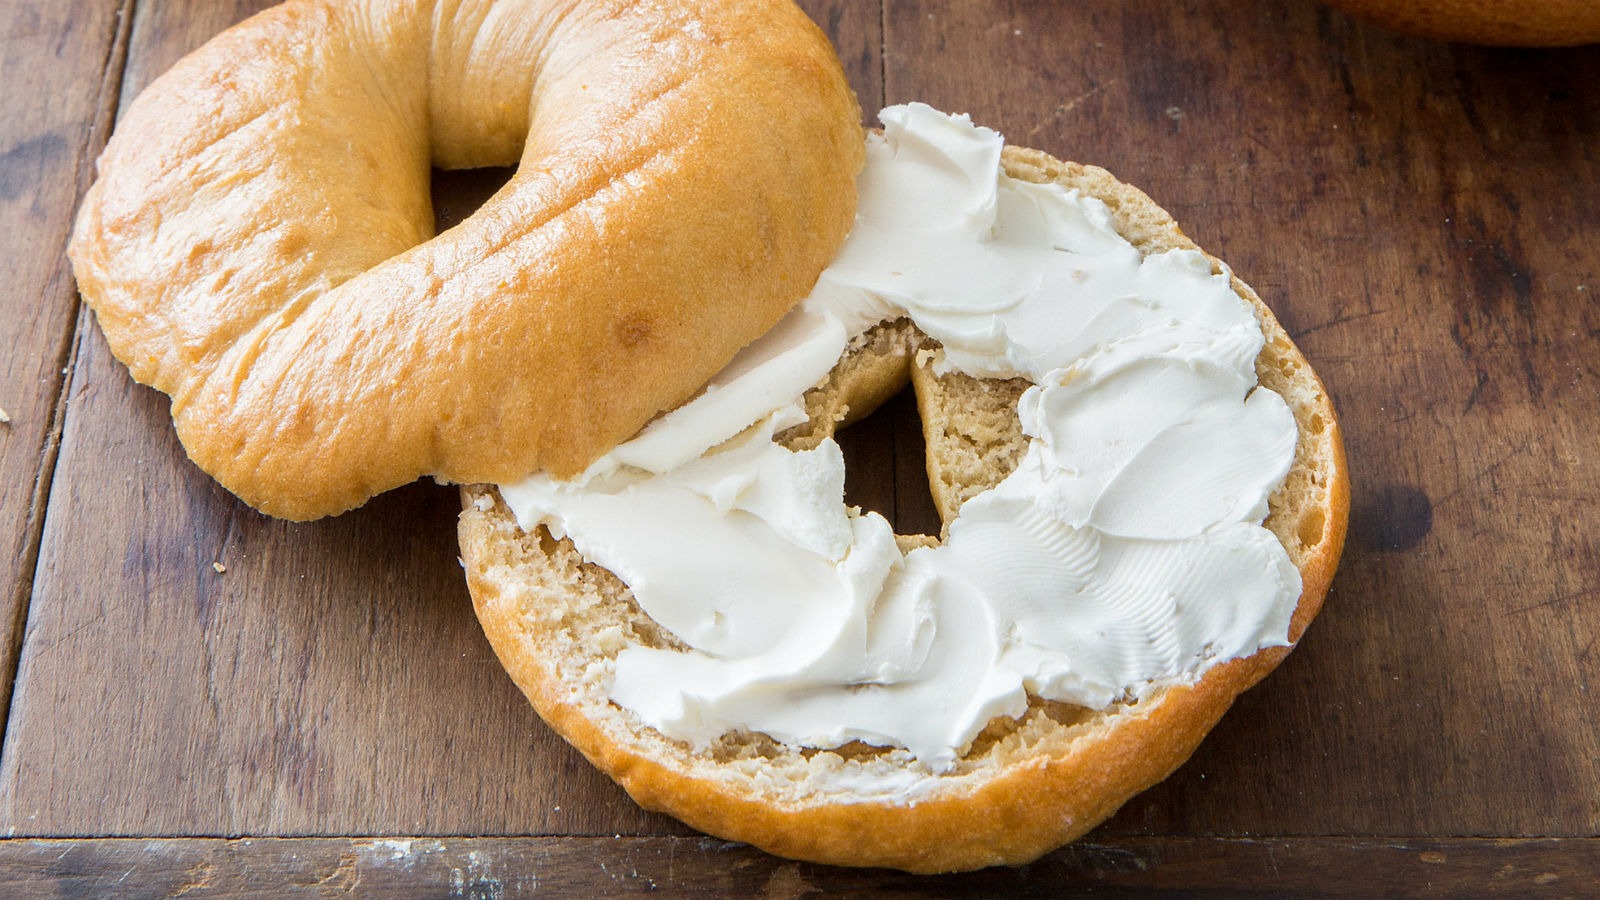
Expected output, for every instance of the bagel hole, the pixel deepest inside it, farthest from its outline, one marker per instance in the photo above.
(457, 193)
(885, 467)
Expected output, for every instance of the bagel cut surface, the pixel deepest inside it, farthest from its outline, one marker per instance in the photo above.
(259, 244)
(1026, 784)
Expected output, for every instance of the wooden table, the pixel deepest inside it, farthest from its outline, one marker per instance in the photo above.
(324, 714)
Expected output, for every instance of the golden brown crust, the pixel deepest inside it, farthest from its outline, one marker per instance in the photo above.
(1016, 800)
(1505, 23)
(258, 242)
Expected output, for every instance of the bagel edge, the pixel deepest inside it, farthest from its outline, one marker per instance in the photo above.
(1495, 23)
(1028, 785)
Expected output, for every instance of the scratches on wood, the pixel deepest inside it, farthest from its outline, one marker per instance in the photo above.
(1053, 121)
(587, 867)
(343, 878)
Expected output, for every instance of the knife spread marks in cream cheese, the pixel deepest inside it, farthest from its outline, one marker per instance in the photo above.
(1124, 553)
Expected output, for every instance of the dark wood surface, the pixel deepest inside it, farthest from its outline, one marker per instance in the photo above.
(1422, 217)
(583, 868)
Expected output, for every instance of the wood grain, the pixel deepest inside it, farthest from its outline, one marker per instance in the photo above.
(1421, 216)
(72, 55)
(705, 868)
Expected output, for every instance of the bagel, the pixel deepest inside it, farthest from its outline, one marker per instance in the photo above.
(1501, 23)
(1044, 769)
(259, 243)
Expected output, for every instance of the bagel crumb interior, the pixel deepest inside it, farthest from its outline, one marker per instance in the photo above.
(974, 441)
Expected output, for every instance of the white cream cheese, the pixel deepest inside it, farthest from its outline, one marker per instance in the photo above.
(1124, 553)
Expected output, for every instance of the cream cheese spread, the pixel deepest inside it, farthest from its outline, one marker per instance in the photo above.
(1125, 552)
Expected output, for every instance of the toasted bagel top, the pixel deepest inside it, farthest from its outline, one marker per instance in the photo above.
(260, 245)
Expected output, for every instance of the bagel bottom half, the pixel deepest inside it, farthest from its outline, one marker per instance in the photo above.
(1026, 785)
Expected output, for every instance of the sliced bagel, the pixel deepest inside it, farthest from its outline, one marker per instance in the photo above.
(1026, 785)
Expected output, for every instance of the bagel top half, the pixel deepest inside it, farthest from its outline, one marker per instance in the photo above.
(259, 244)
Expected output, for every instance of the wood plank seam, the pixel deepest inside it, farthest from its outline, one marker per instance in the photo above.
(107, 106)
(870, 115)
